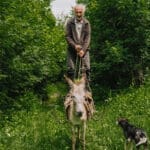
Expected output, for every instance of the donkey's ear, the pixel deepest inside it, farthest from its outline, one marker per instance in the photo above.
(83, 78)
(69, 81)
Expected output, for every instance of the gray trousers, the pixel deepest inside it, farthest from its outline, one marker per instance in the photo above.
(72, 64)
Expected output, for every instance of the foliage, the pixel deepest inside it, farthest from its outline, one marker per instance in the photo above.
(32, 49)
(119, 41)
(44, 125)
(32, 59)
(83, 1)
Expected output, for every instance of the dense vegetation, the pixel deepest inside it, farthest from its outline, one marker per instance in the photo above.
(120, 41)
(43, 126)
(32, 49)
(32, 62)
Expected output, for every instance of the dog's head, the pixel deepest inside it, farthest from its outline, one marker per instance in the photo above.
(123, 122)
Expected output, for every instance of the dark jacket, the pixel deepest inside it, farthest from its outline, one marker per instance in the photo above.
(72, 38)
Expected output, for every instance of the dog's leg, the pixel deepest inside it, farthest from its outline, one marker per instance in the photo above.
(146, 146)
(137, 147)
(131, 145)
(125, 145)
(73, 138)
(128, 145)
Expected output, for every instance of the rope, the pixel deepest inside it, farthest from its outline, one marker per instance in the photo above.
(78, 71)
(78, 67)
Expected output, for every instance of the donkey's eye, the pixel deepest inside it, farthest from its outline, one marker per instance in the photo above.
(72, 96)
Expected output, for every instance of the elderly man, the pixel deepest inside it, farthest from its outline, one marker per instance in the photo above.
(78, 37)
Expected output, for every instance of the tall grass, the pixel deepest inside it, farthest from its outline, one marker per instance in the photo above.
(44, 126)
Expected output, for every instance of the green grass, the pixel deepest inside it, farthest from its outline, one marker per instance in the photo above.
(44, 125)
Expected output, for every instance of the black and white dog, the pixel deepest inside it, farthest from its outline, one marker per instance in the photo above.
(133, 134)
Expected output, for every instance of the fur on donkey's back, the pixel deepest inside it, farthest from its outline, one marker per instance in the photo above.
(79, 106)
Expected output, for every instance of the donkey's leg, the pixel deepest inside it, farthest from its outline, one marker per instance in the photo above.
(83, 134)
(78, 134)
(73, 138)
(131, 145)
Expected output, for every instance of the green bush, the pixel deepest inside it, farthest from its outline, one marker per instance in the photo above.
(119, 46)
(32, 51)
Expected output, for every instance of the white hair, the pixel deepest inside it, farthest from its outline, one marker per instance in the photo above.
(80, 6)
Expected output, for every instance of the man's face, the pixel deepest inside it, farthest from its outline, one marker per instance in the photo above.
(79, 12)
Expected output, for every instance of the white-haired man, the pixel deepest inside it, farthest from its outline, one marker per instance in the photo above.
(78, 36)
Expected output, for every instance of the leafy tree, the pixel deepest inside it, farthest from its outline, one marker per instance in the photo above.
(32, 47)
(83, 1)
(119, 41)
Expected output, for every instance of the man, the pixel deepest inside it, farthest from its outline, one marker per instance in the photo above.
(78, 35)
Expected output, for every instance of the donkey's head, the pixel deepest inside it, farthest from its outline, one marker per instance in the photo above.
(78, 93)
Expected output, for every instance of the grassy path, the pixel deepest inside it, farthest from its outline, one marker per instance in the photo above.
(44, 126)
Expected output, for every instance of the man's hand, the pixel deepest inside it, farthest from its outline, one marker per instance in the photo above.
(78, 48)
(81, 53)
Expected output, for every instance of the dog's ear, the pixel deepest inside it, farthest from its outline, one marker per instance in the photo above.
(121, 120)
(118, 121)
(125, 119)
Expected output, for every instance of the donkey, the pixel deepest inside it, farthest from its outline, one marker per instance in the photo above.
(79, 107)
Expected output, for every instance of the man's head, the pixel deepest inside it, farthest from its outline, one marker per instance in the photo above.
(79, 10)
